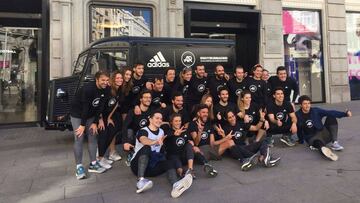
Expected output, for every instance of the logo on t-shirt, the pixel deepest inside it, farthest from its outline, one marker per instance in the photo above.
(238, 134)
(185, 88)
(309, 123)
(143, 123)
(201, 87)
(251, 118)
(156, 100)
(96, 102)
(204, 135)
(111, 102)
(252, 88)
(280, 116)
(136, 89)
(180, 142)
(238, 92)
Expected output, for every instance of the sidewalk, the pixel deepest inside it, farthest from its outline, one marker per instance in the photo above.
(38, 166)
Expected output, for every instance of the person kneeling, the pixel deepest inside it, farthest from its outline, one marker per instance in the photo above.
(149, 161)
(314, 132)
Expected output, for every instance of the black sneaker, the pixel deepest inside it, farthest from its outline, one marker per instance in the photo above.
(287, 140)
(209, 170)
(249, 162)
(273, 162)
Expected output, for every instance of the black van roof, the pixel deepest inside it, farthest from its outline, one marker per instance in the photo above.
(164, 40)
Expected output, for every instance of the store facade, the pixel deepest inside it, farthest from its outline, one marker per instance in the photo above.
(317, 40)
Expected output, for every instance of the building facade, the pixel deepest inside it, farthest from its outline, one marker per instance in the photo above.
(318, 41)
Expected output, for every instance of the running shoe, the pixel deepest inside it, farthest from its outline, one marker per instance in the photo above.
(336, 146)
(114, 156)
(181, 186)
(96, 168)
(209, 170)
(249, 162)
(329, 154)
(143, 184)
(287, 140)
(80, 172)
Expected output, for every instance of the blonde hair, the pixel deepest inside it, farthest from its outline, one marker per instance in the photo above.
(182, 73)
(114, 89)
(240, 102)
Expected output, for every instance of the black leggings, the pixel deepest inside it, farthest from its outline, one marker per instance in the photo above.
(139, 166)
(328, 134)
(181, 159)
(106, 136)
(275, 129)
(244, 151)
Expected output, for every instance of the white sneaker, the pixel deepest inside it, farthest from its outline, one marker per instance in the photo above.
(115, 156)
(336, 146)
(143, 184)
(109, 161)
(103, 163)
(181, 186)
(329, 154)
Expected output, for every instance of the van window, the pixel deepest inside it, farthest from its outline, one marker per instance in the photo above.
(107, 60)
(79, 66)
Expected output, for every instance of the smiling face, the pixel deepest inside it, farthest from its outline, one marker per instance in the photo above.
(139, 70)
(224, 95)
(187, 75)
(231, 118)
(203, 114)
(200, 71)
(220, 72)
(282, 75)
(102, 82)
(178, 102)
(258, 72)
(118, 79)
(279, 96)
(146, 99)
(159, 85)
(239, 73)
(246, 99)
(127, 75)
(156, 120)
(170, 76)
(208, 102)
(176, 122)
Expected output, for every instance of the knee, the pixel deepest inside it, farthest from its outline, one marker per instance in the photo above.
(330, 120)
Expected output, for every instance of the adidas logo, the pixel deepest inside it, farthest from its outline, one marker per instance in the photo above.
(158, 61)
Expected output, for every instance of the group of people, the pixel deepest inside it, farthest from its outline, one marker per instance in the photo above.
(174, 121)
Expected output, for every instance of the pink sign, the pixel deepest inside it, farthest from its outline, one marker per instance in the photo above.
(4, 65)
(295, 22)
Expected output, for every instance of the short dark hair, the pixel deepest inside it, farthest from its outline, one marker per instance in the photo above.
(217, 65)
(176, 94)
(158, 78)
(199, 64)
(152, 114)
(280, 68)
(169, 69)
(146, 91)
(222, 89)
(239, 67)
(138, 64)
(304, 98)
(256, 66)
(101, 73)
(174, 115)
(200, 107)
(276, 89)
(265, 70)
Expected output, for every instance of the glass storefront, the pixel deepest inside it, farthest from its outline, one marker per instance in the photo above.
(303, 51)
(108, 21)
(18, 74)
(353, 53)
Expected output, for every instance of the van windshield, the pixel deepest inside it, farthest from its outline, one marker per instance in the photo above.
(107, 60)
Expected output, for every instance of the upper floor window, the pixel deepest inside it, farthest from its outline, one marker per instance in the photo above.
(108, 21)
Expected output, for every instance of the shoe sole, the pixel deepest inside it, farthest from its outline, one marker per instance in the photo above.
(106, 167)
(147, 186)
(184, 185)
(274, 162)
(336, 149)
(287, 143)
(113, 159)
(80, 177)
(329, 154)
(95, 171)
(250, 165)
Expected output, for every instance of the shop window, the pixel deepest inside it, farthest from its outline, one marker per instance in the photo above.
(353, 50)
(303, 51)
(109, 21)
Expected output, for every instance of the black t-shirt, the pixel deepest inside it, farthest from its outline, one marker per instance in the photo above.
(280, 112)
(89, 102)
(175, 144)
(135, 122)
(308, 124)
(214, 86)
(239, 131)
(169, 110)
(157, 98)
(223, 110)
(138, 86)
(235, 89)
(183, 88)
(205, 135)
(169, 88)
(258, 90)
(197, 89)
(253, 113)
(288, 85)
(111, 101)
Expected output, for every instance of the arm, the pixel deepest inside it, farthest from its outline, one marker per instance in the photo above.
(109, 119)
(218, 142)
(333, 113)
(195, 137)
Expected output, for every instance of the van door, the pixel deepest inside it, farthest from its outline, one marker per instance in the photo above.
(61, 94)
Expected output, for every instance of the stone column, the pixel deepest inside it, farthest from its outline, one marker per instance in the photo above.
(338, 81)
(271, 40)
(176, 18)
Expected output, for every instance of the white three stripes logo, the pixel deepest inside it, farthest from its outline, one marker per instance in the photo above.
(158, 58)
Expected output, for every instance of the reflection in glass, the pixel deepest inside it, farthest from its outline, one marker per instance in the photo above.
(120, 21)
(18, 68)
(303, 51)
